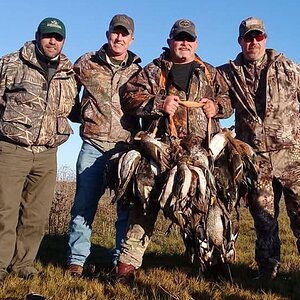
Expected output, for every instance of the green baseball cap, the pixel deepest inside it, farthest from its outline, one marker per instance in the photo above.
(52, 25)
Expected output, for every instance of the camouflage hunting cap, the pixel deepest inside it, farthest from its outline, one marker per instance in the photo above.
(122, 20)
(52, 25)
(251, 24)
(183, 25)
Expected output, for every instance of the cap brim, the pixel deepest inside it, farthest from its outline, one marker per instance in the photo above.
(122, 25)
(184, 31)
(253, 29)
(52, 30)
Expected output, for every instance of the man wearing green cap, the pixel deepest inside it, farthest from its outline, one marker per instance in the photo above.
(37, 92)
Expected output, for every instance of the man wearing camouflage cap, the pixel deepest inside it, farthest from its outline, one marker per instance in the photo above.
(154, 94)
(101, 74)
(264, 88)
(37, 92)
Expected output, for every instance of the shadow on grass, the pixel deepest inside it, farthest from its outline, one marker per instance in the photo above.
(166, 260)
(53, 250)
(285, 285)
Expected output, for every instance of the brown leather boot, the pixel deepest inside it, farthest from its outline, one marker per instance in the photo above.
(75, 270)
(125, 273)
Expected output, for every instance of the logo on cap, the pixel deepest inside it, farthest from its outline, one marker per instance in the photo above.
(52, 25)
(251, 24)
(183, 25)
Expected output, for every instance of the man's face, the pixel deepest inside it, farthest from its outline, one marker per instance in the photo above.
(182, 48)
(119, 40)
(51, 44)
(253, 45)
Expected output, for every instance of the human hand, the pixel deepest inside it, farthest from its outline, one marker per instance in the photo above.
(171, 104)
(209, 107)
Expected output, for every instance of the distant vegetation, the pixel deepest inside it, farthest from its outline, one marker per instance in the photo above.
(164, 274)
(66, 174)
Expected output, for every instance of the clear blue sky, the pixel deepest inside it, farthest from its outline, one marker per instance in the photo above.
(86, 21)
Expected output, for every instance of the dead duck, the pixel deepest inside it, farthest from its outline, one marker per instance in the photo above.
(154, 149)
(127, 165)
(144, 180)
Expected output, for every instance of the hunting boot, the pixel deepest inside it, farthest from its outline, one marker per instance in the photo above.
(125, 273)
(27, 272)
(269, 270)
(3, 274)
(75, 270)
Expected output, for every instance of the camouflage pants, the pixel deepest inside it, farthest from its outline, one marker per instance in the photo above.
(140, 230)
(279, 175)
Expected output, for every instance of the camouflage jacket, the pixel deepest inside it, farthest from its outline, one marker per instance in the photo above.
(100, 110)
(34, 112)
(145, 94)
(270, 120)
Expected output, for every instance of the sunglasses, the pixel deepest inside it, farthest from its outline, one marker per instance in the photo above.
(185, 37)
(250, 38)
(57, 36)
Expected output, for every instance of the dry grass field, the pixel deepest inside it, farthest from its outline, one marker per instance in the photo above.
(164, 274)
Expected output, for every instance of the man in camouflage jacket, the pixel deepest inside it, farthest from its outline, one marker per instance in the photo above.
(154, 94)
(265, 93)
(102, 74)
(37, 92)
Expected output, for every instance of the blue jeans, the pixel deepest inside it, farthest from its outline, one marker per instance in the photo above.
(90, 170)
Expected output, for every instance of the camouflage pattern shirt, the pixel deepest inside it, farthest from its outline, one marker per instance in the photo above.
(33, 111)
(100, 111)
(145, 94)
(266, 100)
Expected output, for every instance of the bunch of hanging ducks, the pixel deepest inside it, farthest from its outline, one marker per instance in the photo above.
(197, 189)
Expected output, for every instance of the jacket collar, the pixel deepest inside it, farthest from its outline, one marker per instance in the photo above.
(132, 57)
(28, 53)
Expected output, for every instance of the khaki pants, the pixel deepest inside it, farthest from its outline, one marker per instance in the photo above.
(140, 230)
(27, 182)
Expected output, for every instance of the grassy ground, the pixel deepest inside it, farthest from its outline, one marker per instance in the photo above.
(164, 274)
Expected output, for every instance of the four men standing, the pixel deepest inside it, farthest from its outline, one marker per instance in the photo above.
(38, 86)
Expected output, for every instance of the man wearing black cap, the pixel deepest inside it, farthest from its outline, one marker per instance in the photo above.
(154, 94)
(101, 74)
(37, 90)
(265, 93)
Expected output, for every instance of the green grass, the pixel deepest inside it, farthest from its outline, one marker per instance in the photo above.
(164, 274)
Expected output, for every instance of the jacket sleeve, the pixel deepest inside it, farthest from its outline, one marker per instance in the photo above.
(75, 114)
(2, 86)
(142, 96)
(298, 82)
(224, 102)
